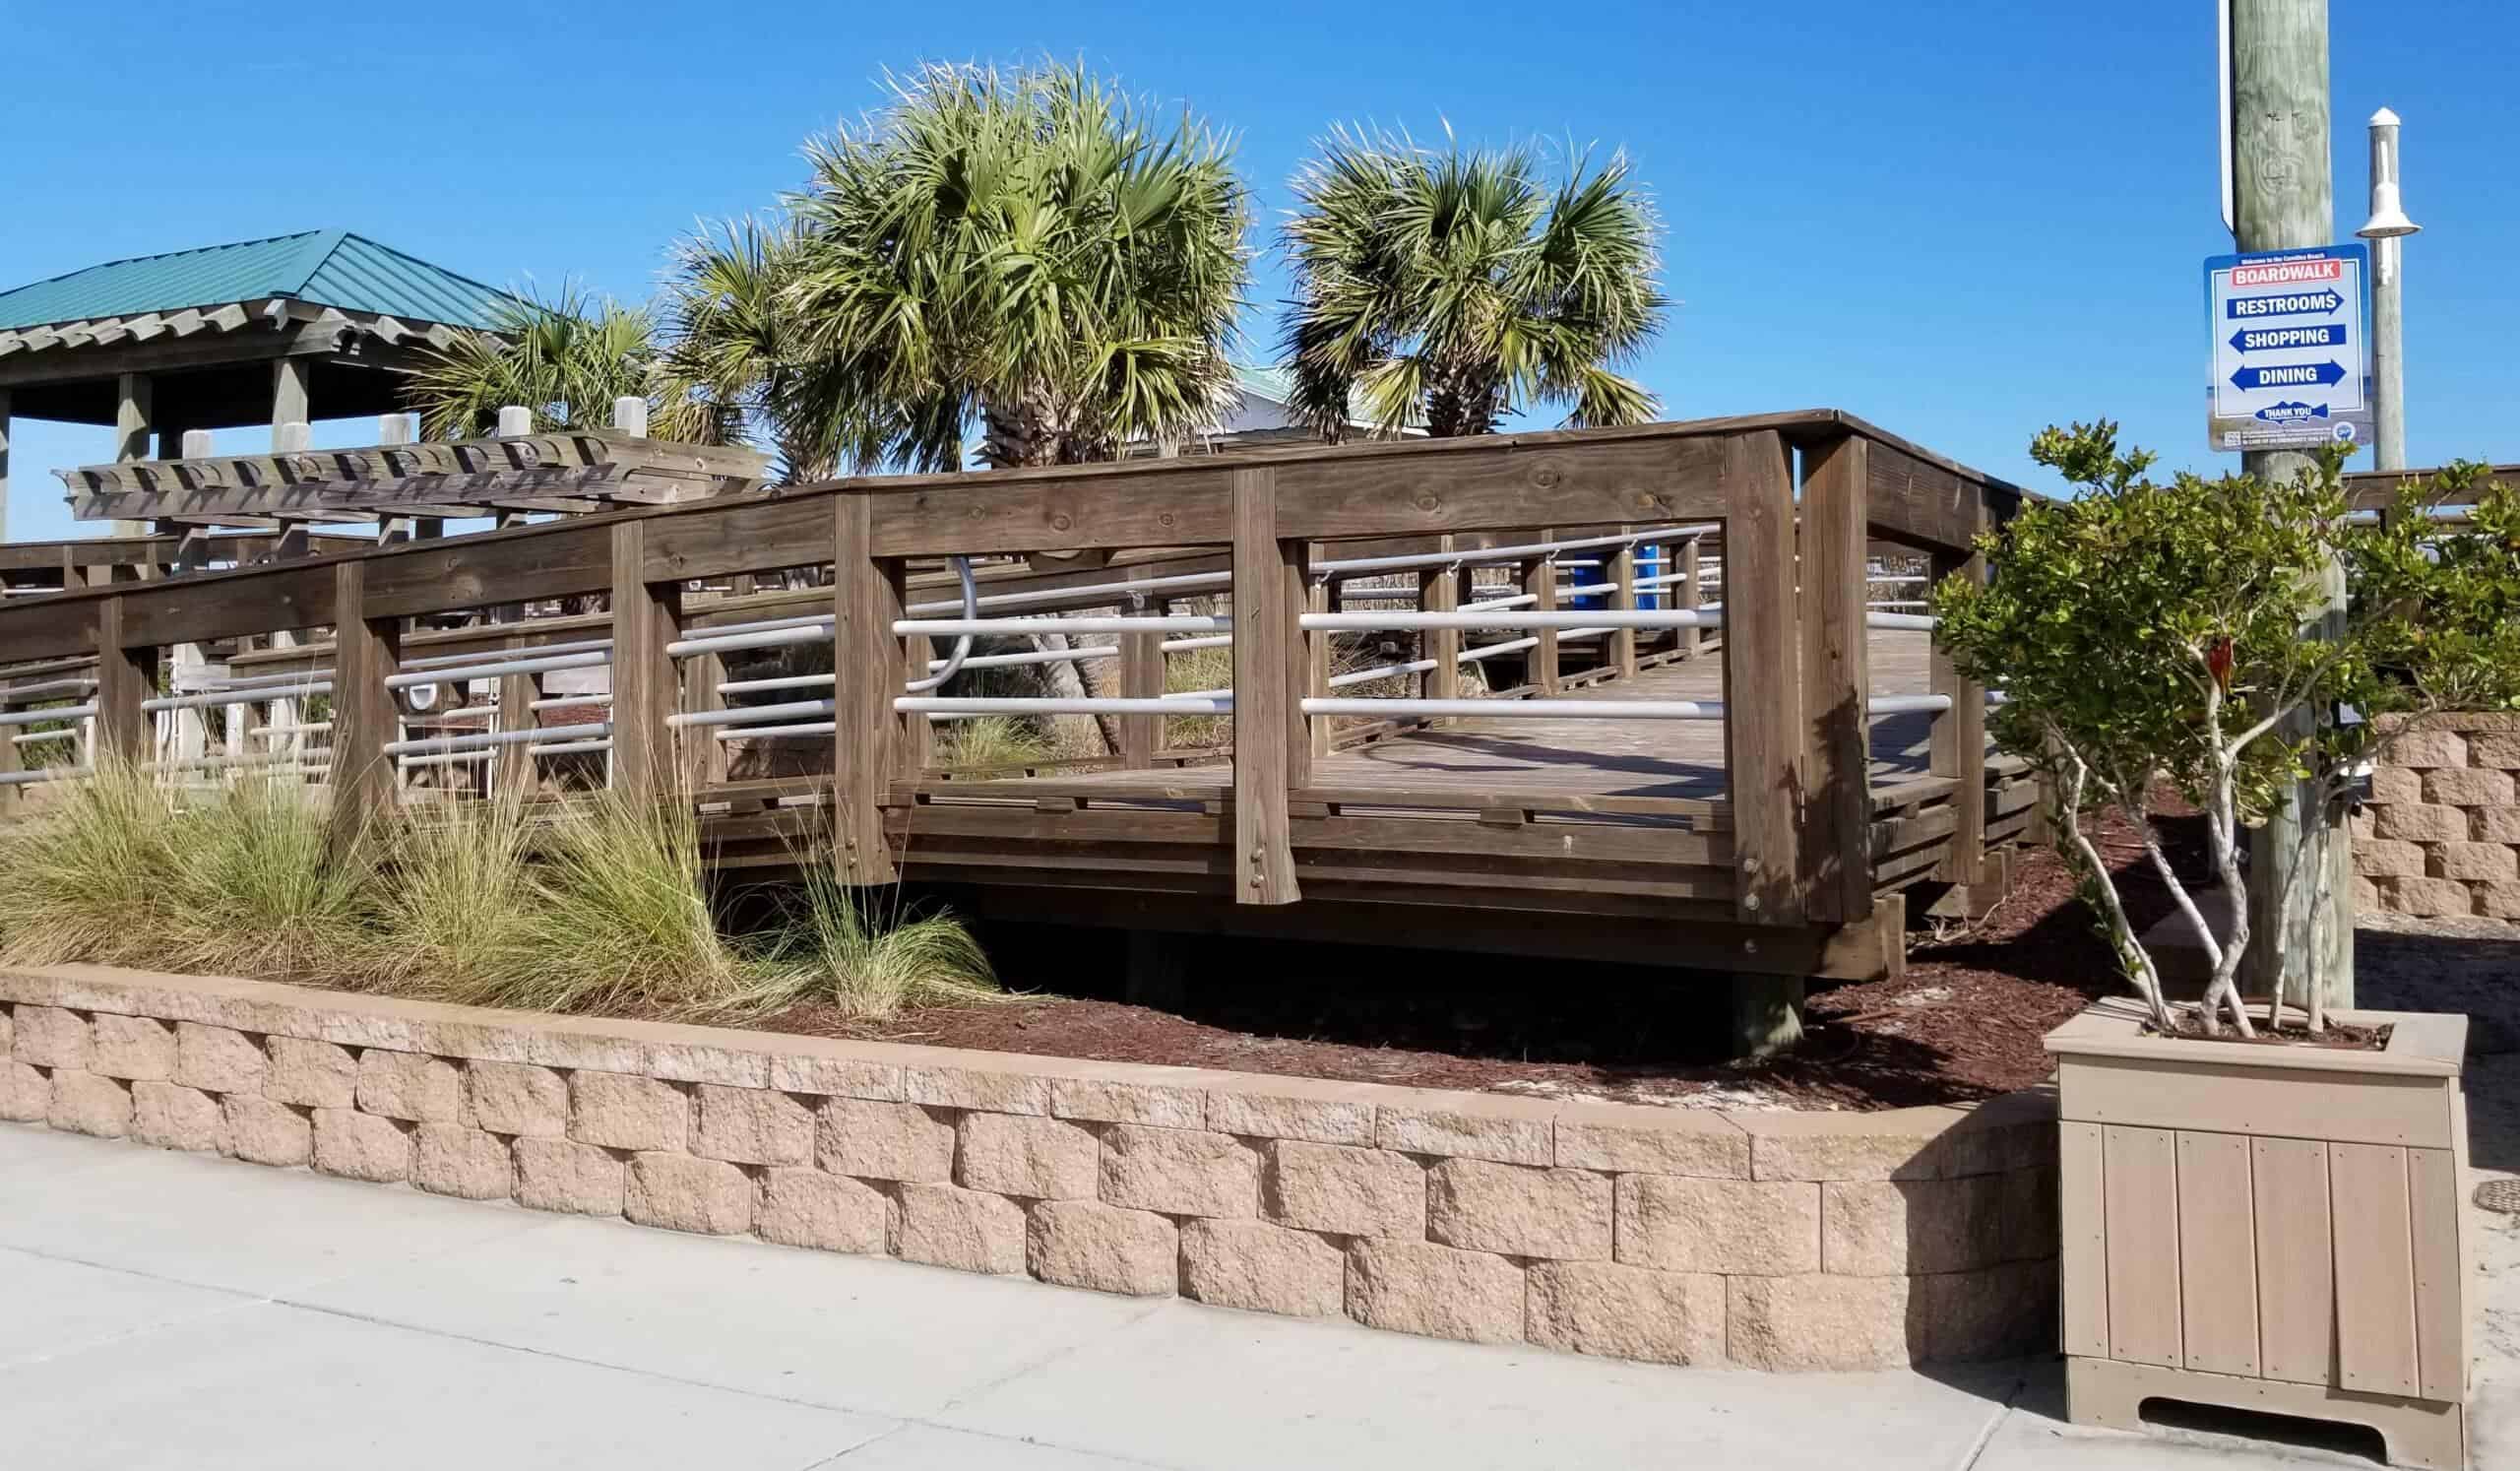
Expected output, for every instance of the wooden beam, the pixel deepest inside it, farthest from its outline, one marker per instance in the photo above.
(1313, 653)
(288, 395)
(1436, 590)
(1265, 586)
(1540, 582)
(1141, 679)
(1621, 574)
(1691, 596)
(126, 676)
(1837, 801)
(366, 652)
(647, 617)
(513, 773)
(1762, 722)
(865, 662)
(1959, 735)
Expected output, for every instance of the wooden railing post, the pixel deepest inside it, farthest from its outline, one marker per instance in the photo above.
(1837, 804)
(514, 773)
(125, 677)
(366, 652)
(1762, 704)
(1439, 590)
(1691, 596)
(1314, 651)
(1267, 592)
(914, 735)
(865, 662)
(1142, 679)
(1959, 739)
(647, 617)
(1621, 576)
(1539, 579)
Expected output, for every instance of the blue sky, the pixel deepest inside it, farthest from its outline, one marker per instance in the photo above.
(1961, 220)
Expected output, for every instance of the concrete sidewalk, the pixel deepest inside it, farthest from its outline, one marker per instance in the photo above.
(173, 1311)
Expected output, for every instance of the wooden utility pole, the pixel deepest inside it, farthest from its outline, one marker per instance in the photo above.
(2282, 197)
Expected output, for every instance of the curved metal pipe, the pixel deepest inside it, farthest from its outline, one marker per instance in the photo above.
(962, 645)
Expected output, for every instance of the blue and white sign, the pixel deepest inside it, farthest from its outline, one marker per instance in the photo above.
(2291, 362)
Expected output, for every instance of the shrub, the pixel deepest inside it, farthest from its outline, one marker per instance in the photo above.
(831, 948)
(2143, 631)
(450, 914)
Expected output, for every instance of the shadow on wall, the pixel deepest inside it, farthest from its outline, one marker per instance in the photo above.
(2475, 973)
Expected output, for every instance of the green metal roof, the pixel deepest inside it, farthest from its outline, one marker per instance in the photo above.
(320, 267)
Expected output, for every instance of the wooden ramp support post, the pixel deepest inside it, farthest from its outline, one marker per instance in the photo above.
(1837, 806)
(1142, 679)
(1621, 577)
(366, 652)
(1762, 726)
(125, 677)
(865, 662)
(1693, 597)
(1959, 738)
(647, 617)
(1540, 580)
(1271, 749)
(514, 773)
(1437, 589)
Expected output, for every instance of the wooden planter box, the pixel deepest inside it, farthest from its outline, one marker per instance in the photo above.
(2266, 1228)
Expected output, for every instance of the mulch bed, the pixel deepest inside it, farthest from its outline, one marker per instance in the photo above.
(1964, 1023)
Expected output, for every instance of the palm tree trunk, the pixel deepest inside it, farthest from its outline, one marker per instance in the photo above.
(1015, 437)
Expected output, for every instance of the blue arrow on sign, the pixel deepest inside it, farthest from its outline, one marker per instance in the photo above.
(2292, 375)
(2273, 339)
(2289, 305)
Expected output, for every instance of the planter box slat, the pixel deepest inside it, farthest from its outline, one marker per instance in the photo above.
(2217, 1255)
(2297, 1272)
(2266, 1227)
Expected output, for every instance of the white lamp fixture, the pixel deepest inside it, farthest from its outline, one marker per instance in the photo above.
(2388, 219)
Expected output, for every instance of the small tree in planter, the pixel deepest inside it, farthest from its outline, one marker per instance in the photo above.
(2144, 631)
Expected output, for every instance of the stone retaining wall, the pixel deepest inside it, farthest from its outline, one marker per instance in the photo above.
(2441, 835)
(1781, 1241)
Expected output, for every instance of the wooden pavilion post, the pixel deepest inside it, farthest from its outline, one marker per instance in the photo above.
(366, 652)
(647, 617)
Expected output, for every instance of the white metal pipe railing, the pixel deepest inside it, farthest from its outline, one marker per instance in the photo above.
(563, 702)
(1168, 623)
(32, 738)
(38, 717)
(579, 646)
(781, 633)
(784, 681)
(1184, 645)
(1672, 617)
(935, 705)
(739, 715)
(495, 669)
(1923, 704)
(46, 689)
(222, 697)
(1921, 623)
(1187, 582)
(312, 727)
(53, 774)
(1525, 709)
(572, 747)
(1472, 557)
(527, 737)
(747, 732)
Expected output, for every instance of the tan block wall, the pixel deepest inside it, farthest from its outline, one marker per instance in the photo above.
(2441, 835)
(1772, 1241)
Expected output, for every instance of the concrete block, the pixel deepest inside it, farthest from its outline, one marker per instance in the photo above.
(264, 1133)
(1680, 1225)
(2468, 787)
(172, 1117)
(1815, 1322)
(680, 1192)
(620, 1111)
(1994, 1313)
(362, 1146)
(51, 1036)
(1086, 1243)
(25, 1092)
(826, 1212)
(836, 1077)
(2367, 896)
(2494, 901)
(2425, 750)
(1181, 1172)
(1262, 1268)
(89, 1103)
(1410, 1287)
(2396, 784)
(988, 1091)
(971, 1231)
(2499, 750)
(1922, 1144)
(454, 1159)
(410, 1086)
(2495, 824)
(2388, 858)
(884, 1141)
(1315, 1111)
(1905, 1226)
(2429, 898)
(1508, 1131)
(566, 1176)
(311, 1075)
(1626, 1313)
(1035, 1158)
(1520, 1210)
(220, 1060)
(2468, 863)
(131, 1048)
(1640, 1140)
(516, 1098)
(2420, 822)
(1343, 1190)
(753, 1127)
(1100, 1101)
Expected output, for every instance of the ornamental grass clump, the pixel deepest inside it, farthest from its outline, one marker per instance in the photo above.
(450, 914)
(2182, 633)
(829, 948)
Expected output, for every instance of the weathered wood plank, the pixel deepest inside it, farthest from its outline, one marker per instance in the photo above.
(2375, 1342)
(1439, 590)
(2140, 1182)
(647, 617)
(1836, 682)
(1959, 733)
(1762, 726)
(1265, 663)
(1539, 583)
(1922, 504)
(126, 674)
(865, 660)
(2296, 1262)
(1118, 506)
(366, 652)
(2217, 1255)
(1479, 484)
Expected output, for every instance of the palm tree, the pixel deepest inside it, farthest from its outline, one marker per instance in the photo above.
(566, 359)
(1027, 252)
(1449, 288)
(732, 351)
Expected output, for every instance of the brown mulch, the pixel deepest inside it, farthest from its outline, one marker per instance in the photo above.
(1964, 1023)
